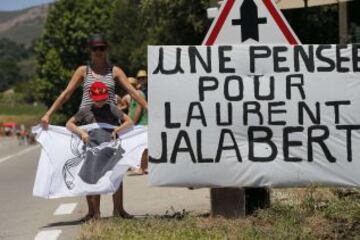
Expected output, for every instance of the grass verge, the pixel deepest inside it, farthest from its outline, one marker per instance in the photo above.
(313, 217)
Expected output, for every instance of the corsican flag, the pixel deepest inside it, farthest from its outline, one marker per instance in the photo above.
(68, 168)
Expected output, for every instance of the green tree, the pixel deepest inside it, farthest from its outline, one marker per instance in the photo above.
(315, 24)
(63, 46)
(9, 74)
(127, 35)
(131, 26)
(12, 55)
(182, 22)
(13, 51)
(137, 24)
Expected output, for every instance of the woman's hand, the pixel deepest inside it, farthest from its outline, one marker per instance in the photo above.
(84, 136)
(45, 120)
(114, 135)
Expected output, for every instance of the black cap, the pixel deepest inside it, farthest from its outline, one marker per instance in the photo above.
(97, 39)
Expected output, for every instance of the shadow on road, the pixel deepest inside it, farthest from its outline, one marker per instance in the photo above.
(64, 223)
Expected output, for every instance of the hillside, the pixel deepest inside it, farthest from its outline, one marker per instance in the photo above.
(23, 26)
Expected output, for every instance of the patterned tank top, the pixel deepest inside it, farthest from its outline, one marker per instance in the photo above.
(90, 78)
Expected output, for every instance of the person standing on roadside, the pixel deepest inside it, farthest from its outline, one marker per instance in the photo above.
(142, 78)
(139, 115)
(99, 69)
(124, 102)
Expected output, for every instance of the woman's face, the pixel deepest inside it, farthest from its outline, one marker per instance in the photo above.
(142, 80)
(98, 52)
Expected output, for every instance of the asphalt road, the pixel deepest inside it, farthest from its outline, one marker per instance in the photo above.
(23, 216)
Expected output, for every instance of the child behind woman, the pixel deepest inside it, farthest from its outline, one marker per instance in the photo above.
(99, 112)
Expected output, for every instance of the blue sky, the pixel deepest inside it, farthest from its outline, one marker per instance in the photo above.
(11, 5)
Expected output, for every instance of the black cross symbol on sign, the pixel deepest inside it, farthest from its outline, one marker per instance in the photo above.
(249, 21)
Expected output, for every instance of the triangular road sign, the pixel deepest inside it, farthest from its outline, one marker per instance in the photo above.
(250, 22)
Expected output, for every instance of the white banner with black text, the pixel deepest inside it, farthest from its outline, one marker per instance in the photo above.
(254, 116)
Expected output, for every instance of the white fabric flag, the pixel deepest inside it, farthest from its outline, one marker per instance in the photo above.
(68, 168)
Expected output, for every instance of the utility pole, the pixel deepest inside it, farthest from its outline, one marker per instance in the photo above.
(343, 22)
(236, 202)
(306, 2)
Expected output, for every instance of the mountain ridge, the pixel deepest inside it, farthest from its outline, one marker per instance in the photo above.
(23, 26)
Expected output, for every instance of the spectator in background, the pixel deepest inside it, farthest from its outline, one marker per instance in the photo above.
(142, 78)
(139, 115)
(18, 135)
(23, 135)
(136, 112)
(124, 102)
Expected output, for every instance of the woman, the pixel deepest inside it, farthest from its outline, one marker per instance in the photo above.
(139, 115)
(124, 102)
(99, 70)
(99, 67)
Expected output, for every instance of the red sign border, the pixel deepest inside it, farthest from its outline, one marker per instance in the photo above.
(273, 12)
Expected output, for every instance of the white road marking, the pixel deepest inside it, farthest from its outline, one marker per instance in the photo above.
(19, 153)
(64, 209)
(48, 235)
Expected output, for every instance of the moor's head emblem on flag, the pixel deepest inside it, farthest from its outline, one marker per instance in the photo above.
(98, 157)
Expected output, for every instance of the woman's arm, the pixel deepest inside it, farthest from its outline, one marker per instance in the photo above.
(138, 113)
(74, 83)
(127, 123)
(71, 125)
(122, 79)
(123, 103)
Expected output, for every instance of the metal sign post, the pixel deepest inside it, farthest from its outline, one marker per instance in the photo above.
(260, 22)
(343, 23)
